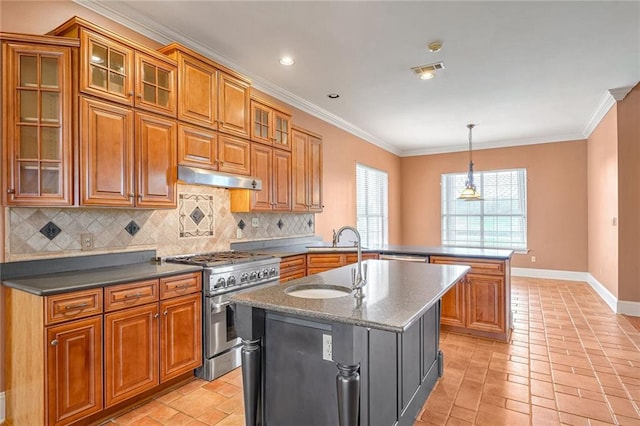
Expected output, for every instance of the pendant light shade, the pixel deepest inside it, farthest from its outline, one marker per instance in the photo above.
(469, 193)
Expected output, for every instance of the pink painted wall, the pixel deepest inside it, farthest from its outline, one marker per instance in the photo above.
(629, 196)
(602, 183)
(556, 191)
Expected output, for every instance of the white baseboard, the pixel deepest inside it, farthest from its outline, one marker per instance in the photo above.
(2, 409)
(602, 291)
(629, 308)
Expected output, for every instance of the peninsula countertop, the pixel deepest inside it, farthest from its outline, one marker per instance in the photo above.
(396, 294)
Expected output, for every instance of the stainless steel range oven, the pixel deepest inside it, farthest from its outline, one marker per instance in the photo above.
(226, 273)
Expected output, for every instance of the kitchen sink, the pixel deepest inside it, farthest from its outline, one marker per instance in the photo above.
(318, 291)
(331, 249)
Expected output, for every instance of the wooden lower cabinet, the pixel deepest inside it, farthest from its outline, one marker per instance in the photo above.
(320, 262)
(74, 370)
(67, 362)
(481, 303)
(180, 346)
(293, 267)
(131, 352)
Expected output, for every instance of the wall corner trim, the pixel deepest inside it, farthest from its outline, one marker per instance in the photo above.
(608, 100)
(2, 408)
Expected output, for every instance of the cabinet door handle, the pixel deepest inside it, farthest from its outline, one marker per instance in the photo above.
(165, 313)
(129, 93)
(76, 306)
(131, 195)
(11, 191)
(139, 95)
(54, 342)
(156, 315)
(132, 295)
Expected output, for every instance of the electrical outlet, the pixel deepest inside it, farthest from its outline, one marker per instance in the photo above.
(254, 222)
(533, 259)
(86, 241)
(327, 347)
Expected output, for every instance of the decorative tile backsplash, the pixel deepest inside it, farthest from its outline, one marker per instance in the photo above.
(202, 222)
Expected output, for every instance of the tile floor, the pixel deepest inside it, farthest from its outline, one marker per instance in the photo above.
(570, 361)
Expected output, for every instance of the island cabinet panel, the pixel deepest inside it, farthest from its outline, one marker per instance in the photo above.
(394, 372)
(293, 267)
(74, 370)
(481, 303)
(131, 352)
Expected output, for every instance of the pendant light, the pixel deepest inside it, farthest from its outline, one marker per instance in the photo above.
(469, 193)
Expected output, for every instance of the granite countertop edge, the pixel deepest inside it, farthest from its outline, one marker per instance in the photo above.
(65, 282)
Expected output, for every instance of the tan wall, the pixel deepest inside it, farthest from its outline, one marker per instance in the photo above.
(602, 183)
(557, 199)
(629, 196)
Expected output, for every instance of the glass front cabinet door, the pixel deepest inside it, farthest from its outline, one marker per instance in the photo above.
(37, 124)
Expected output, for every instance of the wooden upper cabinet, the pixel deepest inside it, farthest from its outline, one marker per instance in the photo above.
(155, 161)
(155, 85)
(233, 105)
(120, 70)
(197, 86)
(197, 147)
(307, 171)
(111, 174)
(270, 125)
(273, 167)
(233, 155)
(106, 154)
(37, 120)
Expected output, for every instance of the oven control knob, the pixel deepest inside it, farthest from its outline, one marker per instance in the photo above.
(244, 278)
(272, 272)
(220, 283)
(253, 276)
(260, 275)
(231, 281)
(265, 273)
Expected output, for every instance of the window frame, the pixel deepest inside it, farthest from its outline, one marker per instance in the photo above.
(383, 234)
(519, 245)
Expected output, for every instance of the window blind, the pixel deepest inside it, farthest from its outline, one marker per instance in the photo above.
(500, 221)
(372, 205)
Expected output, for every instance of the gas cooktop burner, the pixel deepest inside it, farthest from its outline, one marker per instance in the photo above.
(217, 258)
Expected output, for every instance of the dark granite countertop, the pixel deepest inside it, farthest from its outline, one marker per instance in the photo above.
(63, 282)
(292, 250)
(397, 293)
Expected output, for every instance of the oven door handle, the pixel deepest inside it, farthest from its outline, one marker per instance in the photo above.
(218, 306)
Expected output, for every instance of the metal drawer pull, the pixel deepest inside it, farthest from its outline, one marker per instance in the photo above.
(76, 306)
(54, 342)
(182, 286)
(156, 315)
(165, 313)
(131, 296)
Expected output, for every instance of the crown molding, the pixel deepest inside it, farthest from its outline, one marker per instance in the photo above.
(608, 100)
(139, 23)
(492, 145)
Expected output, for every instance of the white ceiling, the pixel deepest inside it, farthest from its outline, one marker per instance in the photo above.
(524, 72)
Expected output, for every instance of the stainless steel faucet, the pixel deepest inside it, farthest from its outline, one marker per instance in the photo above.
(334, 242)
(358, 279)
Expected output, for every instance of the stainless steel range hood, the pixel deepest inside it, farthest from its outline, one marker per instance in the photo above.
(196, 176)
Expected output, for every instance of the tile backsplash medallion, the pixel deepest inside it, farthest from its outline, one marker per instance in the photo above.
(201, 222)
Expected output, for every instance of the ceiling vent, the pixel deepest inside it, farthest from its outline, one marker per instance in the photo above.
(420, 70)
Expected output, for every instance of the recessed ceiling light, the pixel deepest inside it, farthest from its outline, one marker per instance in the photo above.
(427, 75)
(287, 60)
(333, 96)
(435, 46)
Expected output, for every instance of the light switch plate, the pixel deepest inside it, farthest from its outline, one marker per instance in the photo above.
(254, 222)
(327, 347)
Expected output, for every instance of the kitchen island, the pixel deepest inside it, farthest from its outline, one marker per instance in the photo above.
(344, 360)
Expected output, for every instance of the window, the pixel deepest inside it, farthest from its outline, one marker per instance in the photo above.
(372, 205)
(500, 221)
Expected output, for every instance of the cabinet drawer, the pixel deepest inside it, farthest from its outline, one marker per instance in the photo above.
(292, 276)
(299, 261)
(353, 258)
(478, 266)
(180, 285)
(129, 295)
(326, 261)
(68, 306)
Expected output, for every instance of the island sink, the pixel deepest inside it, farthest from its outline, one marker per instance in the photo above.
(310, 291)
(344, 361)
